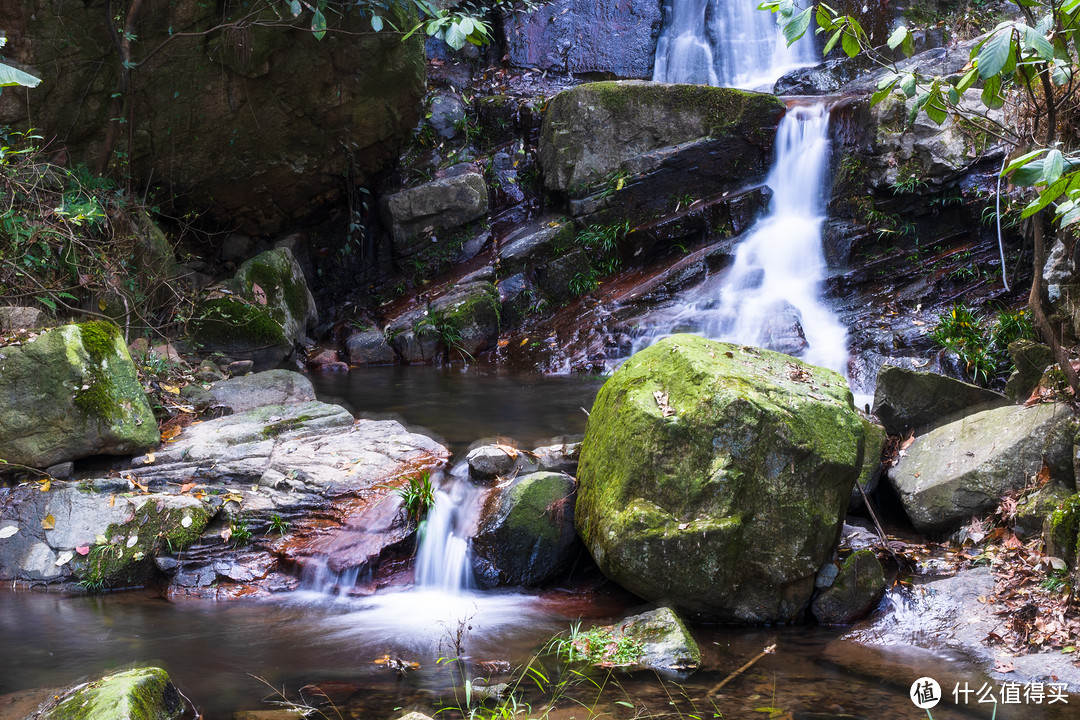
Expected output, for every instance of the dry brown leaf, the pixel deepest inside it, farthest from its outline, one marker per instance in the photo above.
(258, 293)
(169, 434)
(185, 487)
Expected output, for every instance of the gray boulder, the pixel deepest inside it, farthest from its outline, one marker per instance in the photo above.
(447, 115)
(664, 643)
(854, 592)
(69, 393)
(1030, 360)
(962, 468)
(526, 532)
(534, 243)
(584, 36)
(270, 387)
(16, 317)
(496, 460)
(911, 400)
(418, 214)
(369, 348)
(261, 314)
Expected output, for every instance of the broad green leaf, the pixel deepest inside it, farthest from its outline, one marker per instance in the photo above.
(1022, 160)
(991, 93)
(850, 44)
(465, 25)
(1047, 196)
(995, 53)
(968, 79)
(898, 37)
(880, 95)
(1070, 6)
(824, 19)
(376, 23)
(318, 24)
(14, 76)
(888, 81)
(295, 8)
(832, 41)
(798, 25)
(907, 84)
(954, 97)
(454, 37)
(1039, 44)
(1053, 166)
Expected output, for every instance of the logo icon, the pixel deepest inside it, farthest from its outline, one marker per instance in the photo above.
(925, 693)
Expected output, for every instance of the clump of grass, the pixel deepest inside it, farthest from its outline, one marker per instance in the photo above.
(599, 646)
(982, 344)
(417, 496)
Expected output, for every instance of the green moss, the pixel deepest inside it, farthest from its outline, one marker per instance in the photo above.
(273, 273)
(128, 548)
(274, 429)
(225, 320)
(101, 397)
(143, 694)
(1065, 526)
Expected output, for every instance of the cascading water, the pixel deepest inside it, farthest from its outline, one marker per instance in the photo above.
(442, 558)
(770, 296)
(725, 42)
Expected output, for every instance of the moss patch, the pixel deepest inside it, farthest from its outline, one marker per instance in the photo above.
(144, 694)
(229, 321)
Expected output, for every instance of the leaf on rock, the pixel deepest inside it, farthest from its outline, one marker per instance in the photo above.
(49, 522)
(8, 531)
(83, 549)
(661, 399)
(65, 558)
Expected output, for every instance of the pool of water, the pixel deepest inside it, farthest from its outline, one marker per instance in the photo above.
(237, 655)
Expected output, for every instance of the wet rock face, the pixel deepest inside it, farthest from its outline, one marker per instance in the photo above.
(69, 393)
(419, 214)
(854, 592)
(742, 466)
(963, 468)
(586, 36)
(258, 128)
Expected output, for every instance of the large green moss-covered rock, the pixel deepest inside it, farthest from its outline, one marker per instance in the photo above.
(257, 124)
(855, 591)
(69, 393)
(526, 534)
(259, 315)
(143, 694)
(715, 477)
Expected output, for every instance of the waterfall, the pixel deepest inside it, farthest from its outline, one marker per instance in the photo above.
(725, 42)
(442, 558)
(770, 296)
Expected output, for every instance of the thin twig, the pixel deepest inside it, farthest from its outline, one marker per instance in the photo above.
(767, 651)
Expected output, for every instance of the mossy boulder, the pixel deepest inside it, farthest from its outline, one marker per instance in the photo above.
(143, 694)
(655, 640)
(855, 591)
(261, 314)
(1060, 530)
(526, 534)
(456, 325)
(715, 477)
(964, 467)
(624, 148)
(69, 393)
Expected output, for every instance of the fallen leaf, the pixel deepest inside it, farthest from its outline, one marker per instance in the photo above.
(171, 389)
(49, 522)
(170, 433)
(503, 343)
(148, 459)
(661, 399)
(44, 485)
(138, 484)
(522, 344)
(907, 443)
(112, 500)
(83, 549)
(64, 559)
(226, 534)
(258, 293)
(132, 540)
(185, 487)
(8, 531)
(1003, 666)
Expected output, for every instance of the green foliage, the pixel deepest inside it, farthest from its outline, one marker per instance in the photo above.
(239, 532)
(417, 496)
(601, 245)
(278, 525)
(598, 646)
(13, 76)
(982, 345)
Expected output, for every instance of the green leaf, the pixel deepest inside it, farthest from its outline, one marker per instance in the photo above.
(1069, 6)
(1039, 44)
(995, 53)
(14, 76)
(318, 24)
(968, 80)
(47, 302)
(991, 93)
(898, 36)
(907, 84)
(880, 95)
(935, 107)
(295, 8)
(454, 37)
(1053, 166)
(376, 23)
(798, 25)
(1045, 197)
(1022, 160)
(851, 44)
(832, 41)
(824, 18)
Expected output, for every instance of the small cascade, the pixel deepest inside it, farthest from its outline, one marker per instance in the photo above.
(725, 42)
(771, 294)
(442, 558)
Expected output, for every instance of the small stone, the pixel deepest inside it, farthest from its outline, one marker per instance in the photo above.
(61, 471)
(240, 367)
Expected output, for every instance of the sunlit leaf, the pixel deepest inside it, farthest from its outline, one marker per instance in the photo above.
(995, 53)
(10, 76)
(64, 558)
(49, 522)
(8, 531)
(1039, 44)
(798, 25)
(897, 37)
